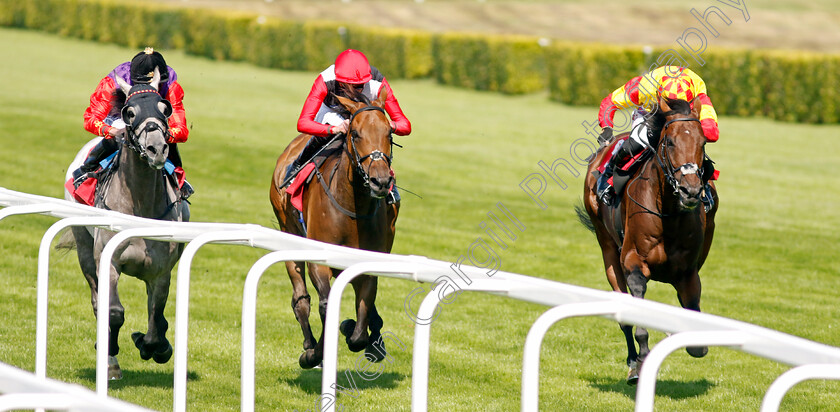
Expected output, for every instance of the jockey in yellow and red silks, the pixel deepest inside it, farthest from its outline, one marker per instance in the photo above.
(641, 92)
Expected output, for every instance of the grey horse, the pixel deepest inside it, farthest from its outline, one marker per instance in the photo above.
(138, 186)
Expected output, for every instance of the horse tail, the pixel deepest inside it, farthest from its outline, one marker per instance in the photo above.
(66, 241)
(584, 218)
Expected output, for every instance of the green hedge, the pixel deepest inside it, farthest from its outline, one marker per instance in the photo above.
(791, 86)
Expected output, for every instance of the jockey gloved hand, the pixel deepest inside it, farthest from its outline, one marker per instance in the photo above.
(341, 128)
(606, 134)
(114, 132)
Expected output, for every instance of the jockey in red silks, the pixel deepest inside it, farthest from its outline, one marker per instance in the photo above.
(323, 116)
(641, 92)
(102, 117)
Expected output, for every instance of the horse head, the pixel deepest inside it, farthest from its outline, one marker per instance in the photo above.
(145, 114)
(681, 149)
(369, 143)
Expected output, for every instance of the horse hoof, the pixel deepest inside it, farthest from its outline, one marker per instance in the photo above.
(376, 352)
(137, 337)
(114, 371)
(633, 374)
(163, 357)
(346, 327)
(697, 351)
(307, 359)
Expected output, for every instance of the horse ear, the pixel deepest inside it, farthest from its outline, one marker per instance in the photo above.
(696, 106)
(663, 105)
(165, 107)
(380, 100)
(349, 104)
(156, 79)
(123, 85)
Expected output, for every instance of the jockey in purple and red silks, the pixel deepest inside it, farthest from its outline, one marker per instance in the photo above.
(322, 116)
(102, 117)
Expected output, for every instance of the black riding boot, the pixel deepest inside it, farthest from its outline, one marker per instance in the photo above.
(99, 152)
(708, 172)
(175, 157)
(603, 188)
(314, 144)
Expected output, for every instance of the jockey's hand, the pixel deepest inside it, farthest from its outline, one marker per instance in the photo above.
(341, 128)
(393, 125)
(114, 132)
(606, 134)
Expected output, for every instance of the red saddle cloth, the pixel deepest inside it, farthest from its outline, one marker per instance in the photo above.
(86, 191)
(295, 190)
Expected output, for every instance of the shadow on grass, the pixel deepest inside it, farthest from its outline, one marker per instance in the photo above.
(130, 378)
(348, 380)
(669, 388)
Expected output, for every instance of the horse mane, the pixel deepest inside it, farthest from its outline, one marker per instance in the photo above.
(656, 120)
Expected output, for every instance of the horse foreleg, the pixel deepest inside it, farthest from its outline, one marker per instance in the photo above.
(300, 301)
(356, 333)
(116, 319)
(637, 286)
(688, 293)
(153, 344)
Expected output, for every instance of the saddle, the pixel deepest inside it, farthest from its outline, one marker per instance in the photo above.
(622, 175)
(305, 175)
(86, 192)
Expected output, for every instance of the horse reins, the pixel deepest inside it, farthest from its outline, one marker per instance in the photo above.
(374, 156)
(667, 170)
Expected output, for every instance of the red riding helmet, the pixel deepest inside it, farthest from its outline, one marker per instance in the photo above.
(351, 66)
(680, 88)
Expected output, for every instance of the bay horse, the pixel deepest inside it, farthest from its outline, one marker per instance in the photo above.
(136, 185)
(347, 207)
(656, 231)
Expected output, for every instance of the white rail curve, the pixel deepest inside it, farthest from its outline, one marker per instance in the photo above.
(811, 360)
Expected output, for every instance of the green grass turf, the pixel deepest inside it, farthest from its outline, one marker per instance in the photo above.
(774, 260)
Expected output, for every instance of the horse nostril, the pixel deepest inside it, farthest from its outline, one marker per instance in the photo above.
(151, 150)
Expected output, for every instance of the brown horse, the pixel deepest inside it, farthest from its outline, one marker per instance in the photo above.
(345, 207)
(657, 231)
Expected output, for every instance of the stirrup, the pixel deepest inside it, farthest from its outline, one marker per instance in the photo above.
(186, 190)
(79, 177)
(707, 199)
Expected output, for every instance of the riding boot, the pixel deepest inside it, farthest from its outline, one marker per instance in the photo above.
(605, 191)
(603, 188)
(99, 152)
(707, 198)
(175, 157)
(312, 146)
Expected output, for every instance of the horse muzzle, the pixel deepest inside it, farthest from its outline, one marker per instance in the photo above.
(690, 196)
(380, 186)
(156, 155)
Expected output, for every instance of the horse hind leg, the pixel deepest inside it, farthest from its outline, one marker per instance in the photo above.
(84, 250)
(688, 293)
(301, 307)
(320, 277)
(153, 344)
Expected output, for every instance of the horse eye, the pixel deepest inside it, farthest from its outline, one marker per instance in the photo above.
(354, 134)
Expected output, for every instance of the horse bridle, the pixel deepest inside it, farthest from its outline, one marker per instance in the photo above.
(133, 135)
(667, 166)
(374, 155)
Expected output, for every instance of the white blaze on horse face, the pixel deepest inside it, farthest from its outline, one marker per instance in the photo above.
(689, 168)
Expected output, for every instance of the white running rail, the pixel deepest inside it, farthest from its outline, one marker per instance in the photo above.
(811, 360)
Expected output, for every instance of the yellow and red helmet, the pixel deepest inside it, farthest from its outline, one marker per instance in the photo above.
(680, 87)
